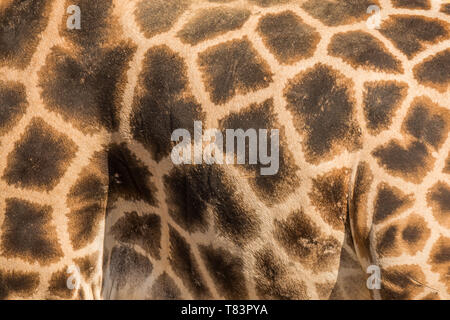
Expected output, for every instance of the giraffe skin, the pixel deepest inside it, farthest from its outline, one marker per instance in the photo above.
(86, 178)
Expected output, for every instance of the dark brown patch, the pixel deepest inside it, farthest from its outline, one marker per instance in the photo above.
(270, 189)
(288, 37)
(268, 3)
(338, 12)
(16, 283)
(128, 267)
(40, 158)
(329, 195)
(389, 202)
(162, 102)
(231, 68)
(435, 71)
(302, 239)
(57, 286)
(412, 162)
(427, 122)
(411, 34)
(13, 104)
(20, 24)
(440, 260)
(144, 231)
(387, 242)
(165, 288)
(412, 4)
(381, 100)
(402, 282)
(447, 165)
(86, 88)
(273, 280)
(212, 22)
(185, 266)
(129, 178)
(438, 198)
(360, 49)
(87, 202)
(445, 8)
(406, 236)
(88, 265)
(158, 16)
(321, 101)
(28, 233)
(187, 197)
(192, 190)
(99, 25)
(227, 272)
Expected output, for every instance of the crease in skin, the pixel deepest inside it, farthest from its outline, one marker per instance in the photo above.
(142, 69)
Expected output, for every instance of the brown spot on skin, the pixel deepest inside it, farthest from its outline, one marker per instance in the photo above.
(411, 34)
(158, 16)
(16, 283)
(88, 265)
(358, 211)
(321, 101)
(99, 25)
(329, 195)
(129, 178)
(233, 67)
(227, 272)
(273, 279)
(187, 198)
(209, 23)
(268, 3)
(411, 163)
(58, 285)
(402, 282)
(387, 243)
(339, 12)
(87, 202)
(165, 288)
(20, 24)
(86, 88)
(29, 234)
(447, 165)
(406, 236)
(40, 158)
(427, 122)
(381, 101)
(288, 37)
(270, 189)
(362, 50)
(435, 71)
(193, 190)
(438, 198)
(440, 260)
(144, 231)
(185, 266)
(13, 104)
(445, 8)
(302, 239)
(128, 267)
(412, 4)
(415, 233)
(390, 202)
(162, 102)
